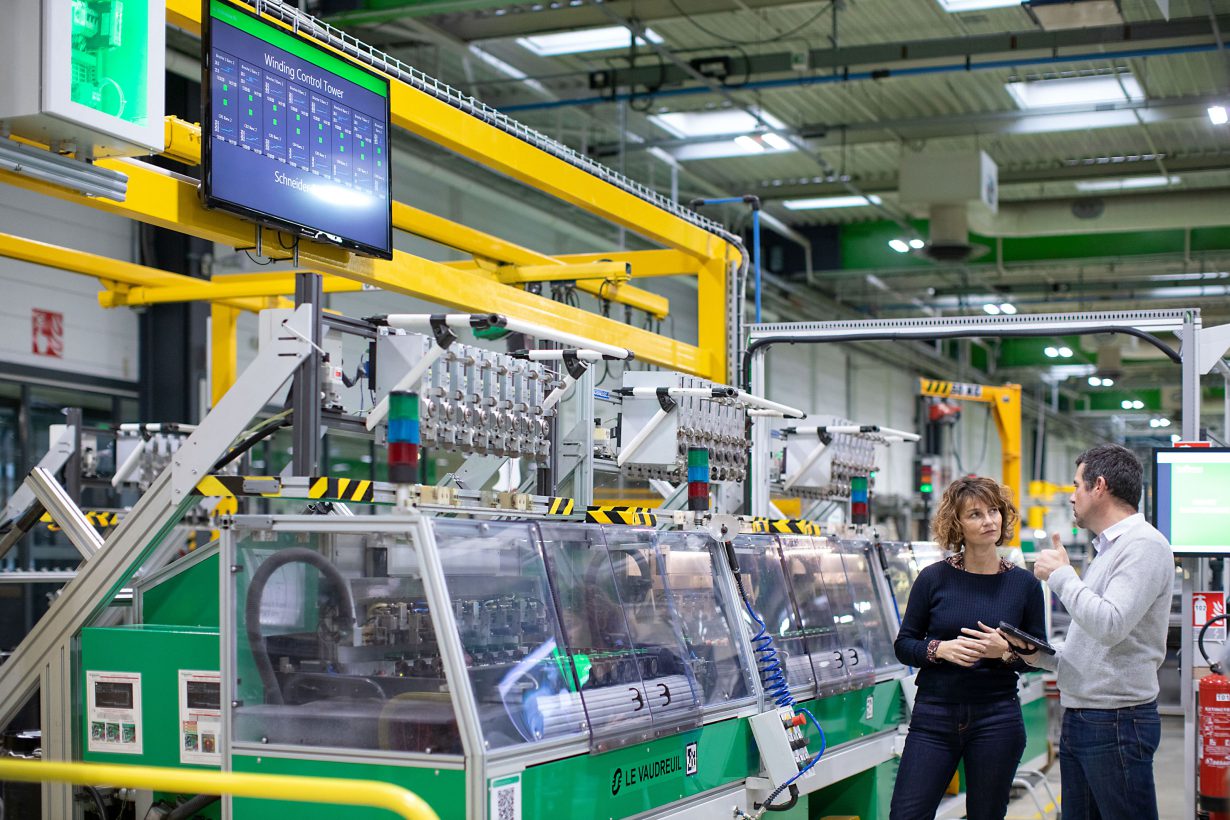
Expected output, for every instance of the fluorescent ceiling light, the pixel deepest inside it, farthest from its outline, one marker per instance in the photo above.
(723, 125)
(953, 6)
(1218, 115)
(1127, 183)
(1137, 404)
(749, 144)
(1065, 352)
(1075, 121)
(899, 245)
(991, 309)
(1108, 382)
(1126, 404)
(589, 39)
(777, 141)
(1100, 89)
(687, 124)
(1094, 381)
(915, 243)
(816, 203)
(1051, 352)
(1175, 438)
(1007, 308)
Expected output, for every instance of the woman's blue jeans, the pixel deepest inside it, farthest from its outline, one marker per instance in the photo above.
(990, 737)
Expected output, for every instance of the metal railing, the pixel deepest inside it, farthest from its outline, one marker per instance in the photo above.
(331, 790)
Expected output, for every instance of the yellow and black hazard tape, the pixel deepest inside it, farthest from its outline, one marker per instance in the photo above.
(102, 519)
(229, 486)
(560, 506)
(318, 487)
(340, 489)
(627, 516)
(785, 526)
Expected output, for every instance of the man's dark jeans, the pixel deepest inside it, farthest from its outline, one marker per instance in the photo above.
(1106, 763)
(989, 736)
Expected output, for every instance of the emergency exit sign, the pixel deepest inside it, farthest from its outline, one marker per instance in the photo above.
(47, 333)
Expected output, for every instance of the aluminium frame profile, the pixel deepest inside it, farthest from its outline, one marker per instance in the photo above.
(1199, 349)
(19, 503)
(43, 659)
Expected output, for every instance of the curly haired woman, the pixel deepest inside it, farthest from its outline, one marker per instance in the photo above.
(966, 707)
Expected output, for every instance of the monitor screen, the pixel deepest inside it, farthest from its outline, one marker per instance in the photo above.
(292, 135)
(1191, 499)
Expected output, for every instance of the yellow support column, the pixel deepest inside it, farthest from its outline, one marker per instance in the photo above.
(1006, 404)
(223, 350)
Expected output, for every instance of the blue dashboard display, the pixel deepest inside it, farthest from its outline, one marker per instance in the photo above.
(294, 137)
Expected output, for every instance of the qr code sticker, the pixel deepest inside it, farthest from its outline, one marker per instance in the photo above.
(506, 801)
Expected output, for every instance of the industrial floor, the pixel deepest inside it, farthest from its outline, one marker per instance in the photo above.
(1167, 774)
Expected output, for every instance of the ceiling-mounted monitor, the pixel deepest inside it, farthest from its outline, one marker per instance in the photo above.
(1191, 499)
(293, 135)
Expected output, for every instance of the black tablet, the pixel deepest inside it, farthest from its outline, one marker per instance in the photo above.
(1021, 634)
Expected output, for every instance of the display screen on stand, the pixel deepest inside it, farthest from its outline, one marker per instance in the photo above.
(1191, 499)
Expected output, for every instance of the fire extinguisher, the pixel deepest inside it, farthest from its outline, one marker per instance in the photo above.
(1213, 723)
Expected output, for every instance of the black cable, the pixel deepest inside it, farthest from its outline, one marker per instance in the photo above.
(1200, 639)
(252, 607)
(261, 433)
(256, 261)
(773, 39)
(192, 806)
(98, 802)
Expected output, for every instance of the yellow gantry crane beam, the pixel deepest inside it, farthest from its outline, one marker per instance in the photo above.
(1005, 401)
(119, 277)
(168, 200)
(183, 144)
(439, 122)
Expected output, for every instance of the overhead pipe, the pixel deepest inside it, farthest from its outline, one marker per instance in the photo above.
(1120, 214)
(873, 74)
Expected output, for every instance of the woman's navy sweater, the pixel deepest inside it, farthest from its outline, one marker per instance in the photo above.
(945, 599)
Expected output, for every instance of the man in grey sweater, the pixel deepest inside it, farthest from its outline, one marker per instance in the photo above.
(1107, 668)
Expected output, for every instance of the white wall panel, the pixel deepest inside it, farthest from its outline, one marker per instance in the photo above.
(97, 342)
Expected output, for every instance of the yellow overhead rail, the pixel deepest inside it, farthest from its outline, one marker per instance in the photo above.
(168, 200)
(437, 121)
(331, 790)
(183, 144)
(116, 275)
(1005, 401)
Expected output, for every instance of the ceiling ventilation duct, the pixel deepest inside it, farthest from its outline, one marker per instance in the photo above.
(944, 187)
(1054, 15)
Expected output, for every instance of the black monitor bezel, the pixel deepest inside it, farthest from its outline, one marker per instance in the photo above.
(1153, 506)
(213, 202)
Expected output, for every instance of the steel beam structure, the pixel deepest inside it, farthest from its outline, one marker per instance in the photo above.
(113, 273)
(1198, 352)
(514, 151)
(43, 658)
(882, 60)
(168, 200)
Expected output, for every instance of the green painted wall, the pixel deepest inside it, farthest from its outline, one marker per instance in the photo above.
(865, 245)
